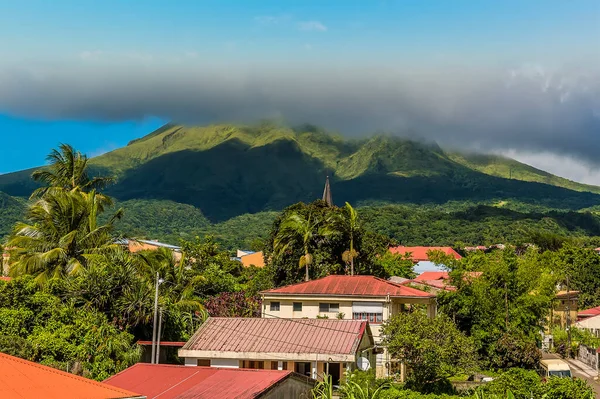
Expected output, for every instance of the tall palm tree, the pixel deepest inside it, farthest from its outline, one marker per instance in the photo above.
(350, 223)
(67, 169)
(61, 235)
(304, 229)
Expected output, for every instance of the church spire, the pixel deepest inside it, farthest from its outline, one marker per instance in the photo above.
(327, 193)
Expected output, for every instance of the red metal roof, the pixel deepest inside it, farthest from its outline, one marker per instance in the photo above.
(21, 379)
(350, 286)
(589, 312)
(419, 254)
(4, 278)
(181, 382)
(319, 336)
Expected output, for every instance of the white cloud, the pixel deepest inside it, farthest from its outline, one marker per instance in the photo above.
(560, 165)
(88, 55)
(272, 19)
(314, 26)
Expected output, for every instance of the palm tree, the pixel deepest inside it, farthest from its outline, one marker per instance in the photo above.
(305, 229)
(67, 169)
(351, 226)
(61, 235)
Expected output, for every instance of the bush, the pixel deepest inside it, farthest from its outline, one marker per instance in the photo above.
(522, 383)
(565, 388)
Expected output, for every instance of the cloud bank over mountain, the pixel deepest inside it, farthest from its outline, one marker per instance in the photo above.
(527, 109)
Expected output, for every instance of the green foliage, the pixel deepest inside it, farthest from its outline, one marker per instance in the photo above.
(399, 265)
(566, 388)
(432, 349)
(39, 326)
(325, 243)
(504, 309)
(523, 384)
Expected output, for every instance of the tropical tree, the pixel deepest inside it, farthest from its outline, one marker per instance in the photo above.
(67, 169)
(61, 235)
(305, 229)
(350, 224)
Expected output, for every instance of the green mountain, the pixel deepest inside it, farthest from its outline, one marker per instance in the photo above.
(220, 172)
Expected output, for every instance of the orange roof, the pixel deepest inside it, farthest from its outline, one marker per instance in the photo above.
(419, 254)
(254, 259)
(180, 382)
(362, 286)
(570, 294)
(4, 278)
(21, 379)
(282, 336)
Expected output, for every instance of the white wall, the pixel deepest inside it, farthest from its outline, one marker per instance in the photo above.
(226, 363)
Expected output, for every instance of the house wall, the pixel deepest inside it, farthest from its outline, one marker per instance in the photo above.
(589, 356)
(592, 324)
(310, 308)
(291, 387)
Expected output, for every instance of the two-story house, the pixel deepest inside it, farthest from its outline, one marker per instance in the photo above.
(349, 297)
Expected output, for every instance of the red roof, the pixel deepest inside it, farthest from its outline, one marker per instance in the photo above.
(419, 254)
(179, 382)
(4, 278)
(589, 312)
(439, 284)
(350, 286)
(318, 336)
(21, 379)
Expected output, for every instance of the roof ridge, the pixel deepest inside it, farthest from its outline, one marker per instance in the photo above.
(66, 374)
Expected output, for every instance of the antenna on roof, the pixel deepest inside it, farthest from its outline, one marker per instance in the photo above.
(327, 193)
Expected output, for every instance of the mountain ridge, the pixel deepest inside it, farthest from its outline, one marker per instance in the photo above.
(227, 170)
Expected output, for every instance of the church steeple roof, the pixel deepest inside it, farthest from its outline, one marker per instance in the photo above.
(327, 193)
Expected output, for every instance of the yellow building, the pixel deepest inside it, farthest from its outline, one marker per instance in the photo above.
(365, 298)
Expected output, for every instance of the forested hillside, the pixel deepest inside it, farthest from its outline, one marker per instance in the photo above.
(231, 181)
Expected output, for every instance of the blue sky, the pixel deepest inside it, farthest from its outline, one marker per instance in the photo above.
(97, 74)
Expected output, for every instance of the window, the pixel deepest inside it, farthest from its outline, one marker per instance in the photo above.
(274, 307)
(329, 307)
(204, 362)
(297, 306)
(374, 318)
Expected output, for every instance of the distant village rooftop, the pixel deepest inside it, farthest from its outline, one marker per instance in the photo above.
(419, 254)
(362, 286)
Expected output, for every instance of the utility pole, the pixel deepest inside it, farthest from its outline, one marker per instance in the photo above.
(159, 281)
(160, 312)
(568, 309)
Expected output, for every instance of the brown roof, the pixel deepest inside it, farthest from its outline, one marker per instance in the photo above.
(318, 336)
(181, 382)
(362, 286)
(22, 379)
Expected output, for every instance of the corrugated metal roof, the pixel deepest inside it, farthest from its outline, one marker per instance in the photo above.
(318, 336)
(179, 382)
(420, 253)
(590, 312)
(363, 286)
(21, 379)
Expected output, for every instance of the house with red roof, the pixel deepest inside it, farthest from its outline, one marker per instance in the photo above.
(420, 254)
(364, 298)
(587, 313)
(309, 347)
(22, 379)
(180, 382)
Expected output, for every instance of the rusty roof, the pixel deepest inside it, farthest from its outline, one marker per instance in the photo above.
(22, 379)
(271, 335)
(429, 276)
(362, 286)
(179, 382)
(418, 254)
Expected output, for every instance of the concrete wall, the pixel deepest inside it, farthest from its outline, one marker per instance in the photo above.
(589, 356)
(291, 387)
